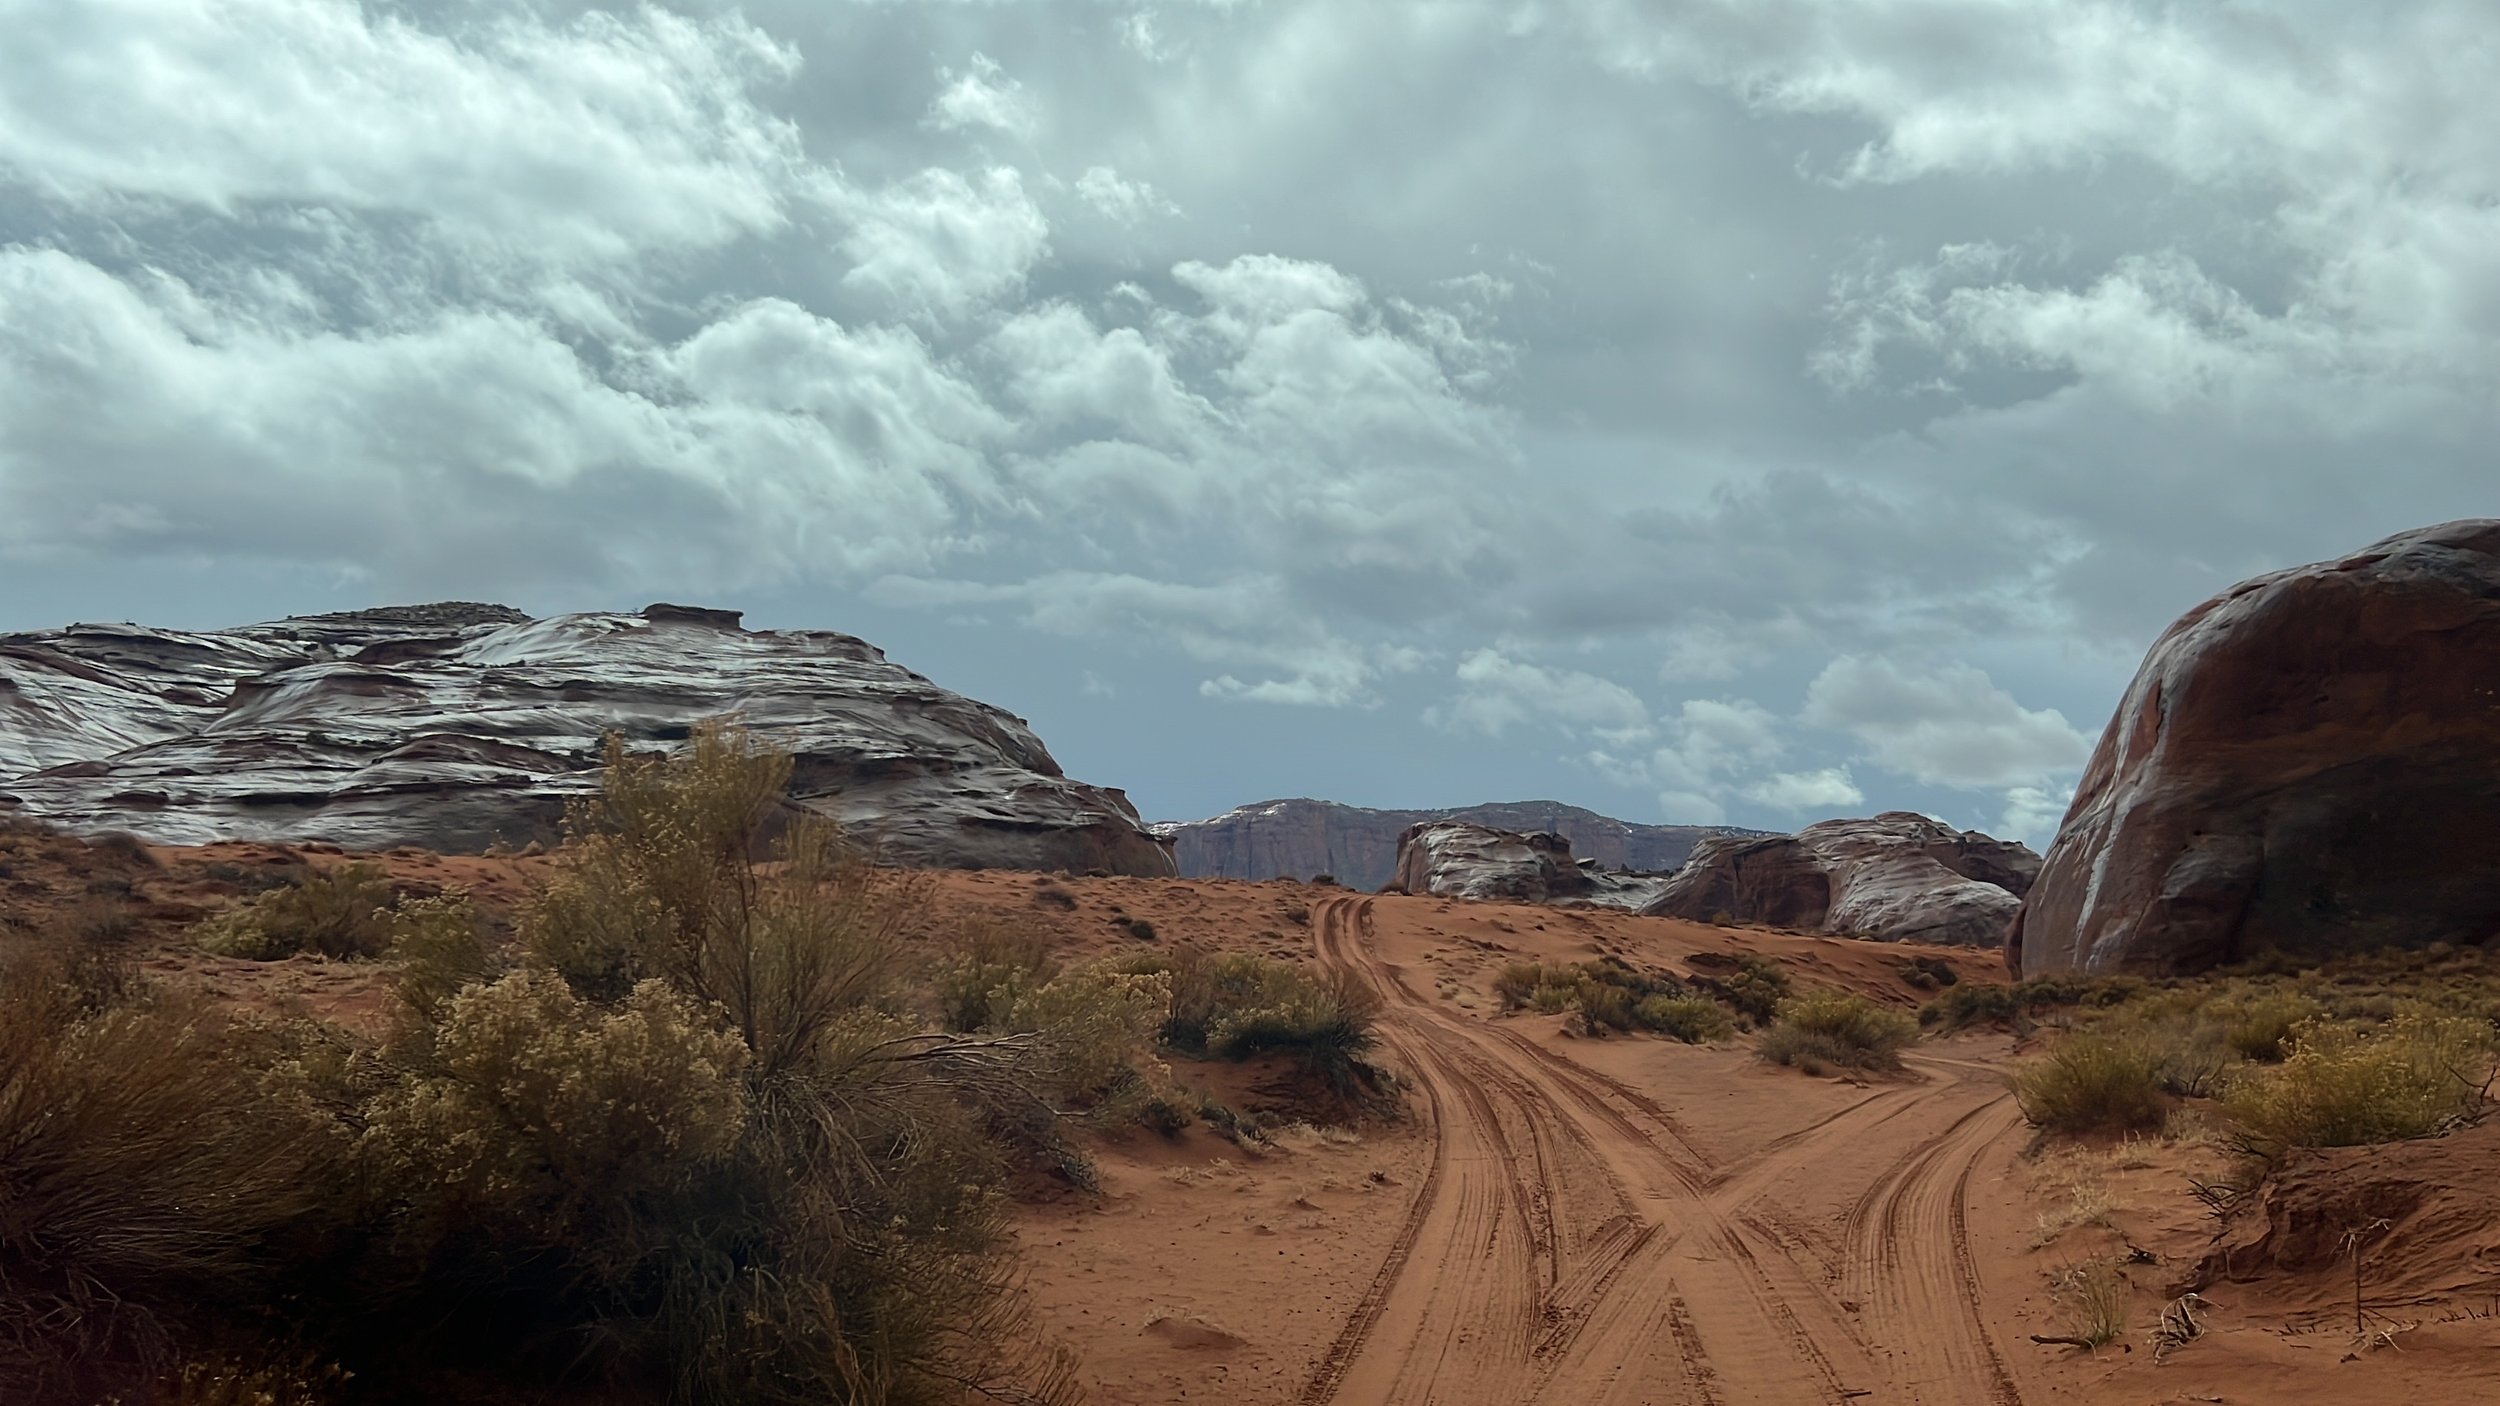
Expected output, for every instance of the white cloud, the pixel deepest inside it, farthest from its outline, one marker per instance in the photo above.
(1497, 693)
(1827, 789)
(938, 244)
(982, 96)
(1242, 623)
(2033, 813)
(1119, 199)
(1691, 808)
(587, 140)
(1948, 725)
(1710, 746)
(773, 442)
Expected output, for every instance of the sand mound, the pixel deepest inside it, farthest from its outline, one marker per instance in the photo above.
(1193, 1334)
(2426, 1215)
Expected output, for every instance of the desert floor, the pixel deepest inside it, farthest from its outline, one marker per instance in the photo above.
(1633, 1220)
(1560, 1218)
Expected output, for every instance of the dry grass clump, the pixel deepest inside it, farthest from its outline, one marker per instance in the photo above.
(1835, 1029)
(2094, 1082)
(340, 912)
(2093, 1298)
(2340, 1085)
(151, 1181)
(2075, 1180)
(2259, 1024)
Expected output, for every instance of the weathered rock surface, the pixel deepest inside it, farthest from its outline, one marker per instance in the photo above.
(1898, 877)
(453, 726)
(1456, 859)
(2309, 763)
(1300, 838)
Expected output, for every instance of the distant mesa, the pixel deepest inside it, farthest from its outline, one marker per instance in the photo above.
(1460, 859)
(2308, 763)
(459, 724)
(1895, 877)
(1359, 846)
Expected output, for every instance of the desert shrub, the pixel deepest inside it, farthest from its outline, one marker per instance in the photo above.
(1135, 927)
(1054, 896)
(546, 1117)
(1836, 1028)
(657, 881)
(1608, 994)
(1237, 1004)
(150, 1182)
(2260, 1026)
(1327, 1021)
(441, 946)
(2093, 1082)
(1929, 973)
(2339, 1086)
(989, 969)
(102, 921)
(1971, 1004)
(1167, 1114)
(1974, 1003)
(1693, 1019)
(338, 912)
(691, 1149)
(1516, 982)
(1753, 990)
(1095, 1029)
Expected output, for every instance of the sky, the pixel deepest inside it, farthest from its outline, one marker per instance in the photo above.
(1720, 411)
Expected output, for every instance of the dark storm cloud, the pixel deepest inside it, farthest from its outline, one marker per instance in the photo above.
(1746, 409)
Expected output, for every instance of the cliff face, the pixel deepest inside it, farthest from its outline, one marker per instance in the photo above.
(1300, 838)
(453, 726)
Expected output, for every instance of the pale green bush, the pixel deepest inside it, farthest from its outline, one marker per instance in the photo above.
(340, 912)
(2339, 1086)
(1836, 1028)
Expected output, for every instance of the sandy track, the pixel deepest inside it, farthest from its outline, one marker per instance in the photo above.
(1570, 1243)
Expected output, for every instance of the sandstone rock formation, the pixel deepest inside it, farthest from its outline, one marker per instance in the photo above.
(1455, 859)
(2309, 762)
(1300, 838)
(1899, 877)
(456, 725)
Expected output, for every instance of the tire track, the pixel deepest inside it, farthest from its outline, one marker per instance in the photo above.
(1572, 1242)
(1912, 1265)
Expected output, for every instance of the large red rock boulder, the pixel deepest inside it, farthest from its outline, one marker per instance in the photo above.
(1897, 877)
(2308, 763)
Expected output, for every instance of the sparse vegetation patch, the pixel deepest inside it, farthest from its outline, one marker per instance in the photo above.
(1835, 1029)
(1612, 996)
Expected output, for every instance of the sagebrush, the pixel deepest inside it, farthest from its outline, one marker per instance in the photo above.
(1835, 1028)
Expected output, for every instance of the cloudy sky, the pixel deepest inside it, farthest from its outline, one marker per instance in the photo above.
(1744, 410)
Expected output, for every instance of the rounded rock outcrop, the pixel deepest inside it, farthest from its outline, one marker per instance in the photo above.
(1895, 877)
(458, 725)
(2307, 763)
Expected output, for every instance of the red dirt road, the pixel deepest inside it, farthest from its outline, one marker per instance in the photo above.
(1572, 1242)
